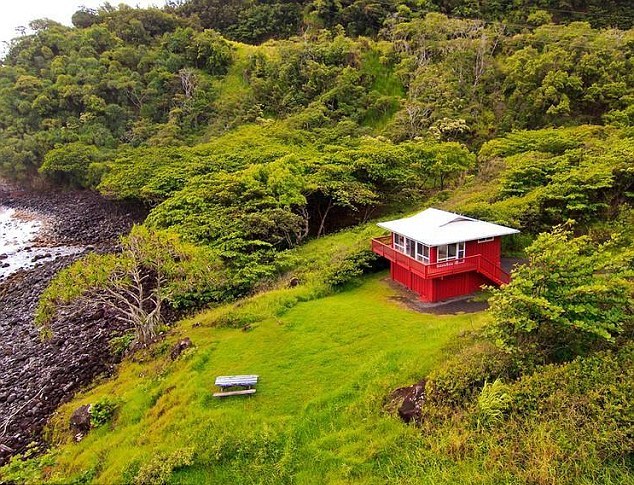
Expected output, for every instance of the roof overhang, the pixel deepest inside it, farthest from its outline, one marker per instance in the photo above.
(435, 227)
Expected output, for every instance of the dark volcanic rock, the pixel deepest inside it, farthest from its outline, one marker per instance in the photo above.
(179, 347)
(82, 217)
(409, 401)
(36, 374)
(80, 420)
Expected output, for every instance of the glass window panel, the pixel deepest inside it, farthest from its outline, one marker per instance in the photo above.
(399, 243)
(451, 251)
(411, 248)
(442, 252)
(422, 252)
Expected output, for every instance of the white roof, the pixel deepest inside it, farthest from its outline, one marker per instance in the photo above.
(434, 227)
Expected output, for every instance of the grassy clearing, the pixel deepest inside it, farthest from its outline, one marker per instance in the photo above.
(326, 367)
(232, 91)
(385, 84)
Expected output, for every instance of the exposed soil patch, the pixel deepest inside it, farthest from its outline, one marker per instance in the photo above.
(37, 375)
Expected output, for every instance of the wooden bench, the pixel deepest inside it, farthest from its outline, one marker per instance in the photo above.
(228, 382)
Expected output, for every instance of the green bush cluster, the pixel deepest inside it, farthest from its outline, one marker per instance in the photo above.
(461, 377)
(599, 385)
(573, 298)
(121, 344)
(237, 319)
(159, 468)
(565, 423)
(190, 276)
(27, 468)
(581, 412)
(547, 177)
(351, 267)
(102, 411)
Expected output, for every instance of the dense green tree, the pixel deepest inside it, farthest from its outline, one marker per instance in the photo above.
(70, 163)
(571, 298)
(566, 73)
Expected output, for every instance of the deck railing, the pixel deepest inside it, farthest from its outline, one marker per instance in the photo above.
(383, 247)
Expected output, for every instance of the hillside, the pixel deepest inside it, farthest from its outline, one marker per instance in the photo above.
(310, 418)
(328, 365)
(265, 140)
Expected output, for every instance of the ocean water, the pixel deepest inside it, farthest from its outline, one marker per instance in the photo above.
(17, 238)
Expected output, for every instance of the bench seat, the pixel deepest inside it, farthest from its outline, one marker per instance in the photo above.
(234, 393)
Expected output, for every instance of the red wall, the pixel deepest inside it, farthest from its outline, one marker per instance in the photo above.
(432, 290)
(458, 285)
(437, 289)
(400, 274)
(412, 281)
(490, 250)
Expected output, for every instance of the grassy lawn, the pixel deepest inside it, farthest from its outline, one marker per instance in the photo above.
(325, 366)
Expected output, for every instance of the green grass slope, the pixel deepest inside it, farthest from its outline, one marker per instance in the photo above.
(326, 367)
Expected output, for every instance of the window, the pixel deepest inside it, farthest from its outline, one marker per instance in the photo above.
(486, 239)
(422, 252)
(410, 247)
(442, 253)
(448, 252)
(399, 243)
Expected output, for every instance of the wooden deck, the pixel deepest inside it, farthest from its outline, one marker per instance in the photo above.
(383, 247)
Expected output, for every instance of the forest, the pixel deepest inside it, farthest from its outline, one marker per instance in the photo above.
(265, 139)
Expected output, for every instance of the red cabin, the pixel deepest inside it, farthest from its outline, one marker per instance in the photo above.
(442, 255)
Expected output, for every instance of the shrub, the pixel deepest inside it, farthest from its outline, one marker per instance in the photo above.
(596, 389)
(565, 423)
(492, 403)
(576, 417)
(70, 163)
(154, 270)
(119, 345)
(461, 377)
(159, 468)
(102, 411)
(572, 298)
(237, 319)
(351, 267)
(27, 468)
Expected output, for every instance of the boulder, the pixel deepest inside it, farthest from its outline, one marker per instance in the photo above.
(179, 347)
(411, 400)
(80, 419)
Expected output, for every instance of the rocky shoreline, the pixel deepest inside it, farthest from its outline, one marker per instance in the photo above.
(37, 375)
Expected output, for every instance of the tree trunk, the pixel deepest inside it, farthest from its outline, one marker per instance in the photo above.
(323, 217)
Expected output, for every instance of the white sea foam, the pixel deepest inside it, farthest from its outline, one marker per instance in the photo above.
(17, 237)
